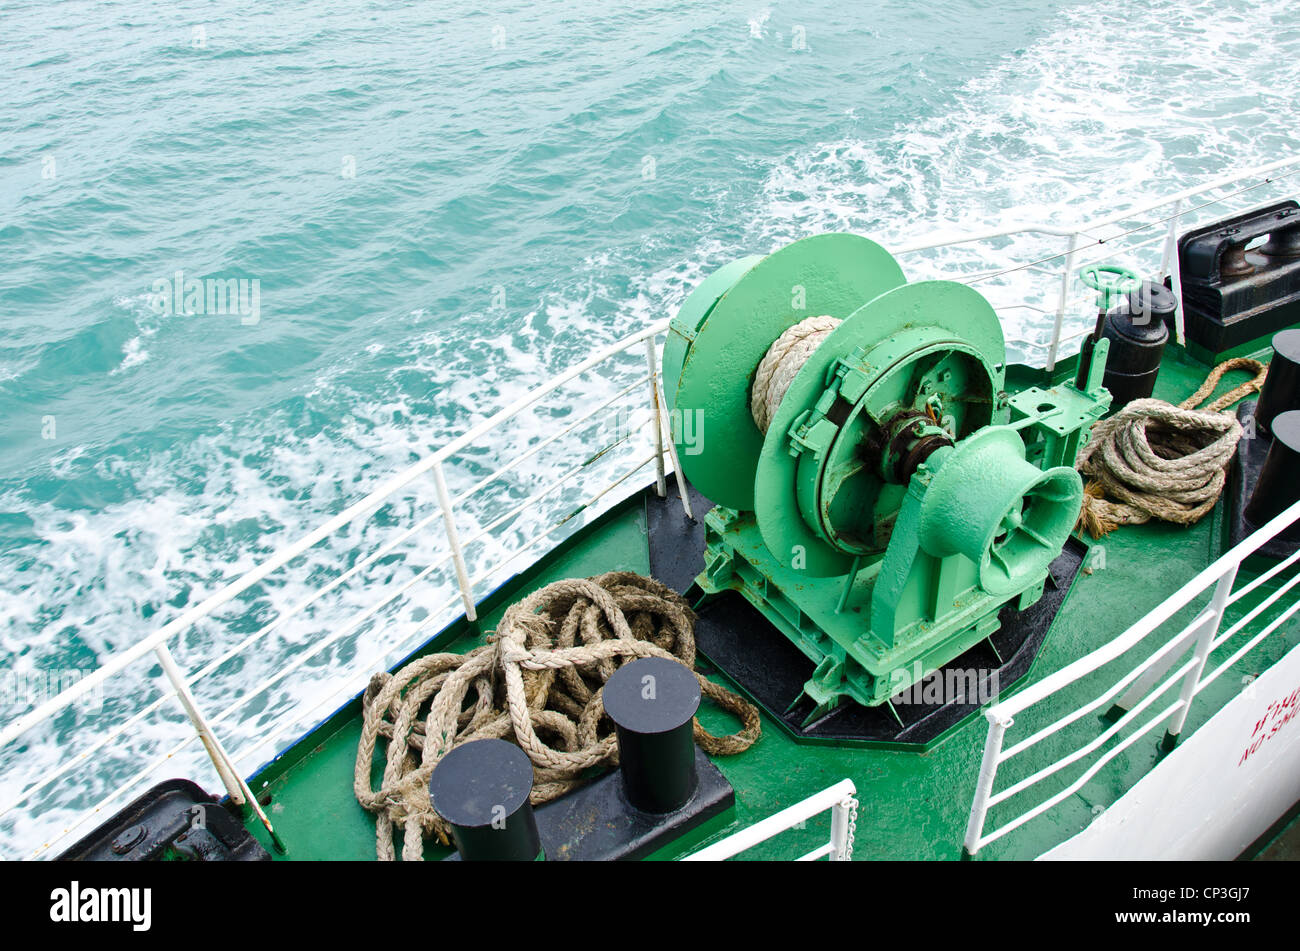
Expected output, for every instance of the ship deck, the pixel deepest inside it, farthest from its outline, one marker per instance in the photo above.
(913, 805)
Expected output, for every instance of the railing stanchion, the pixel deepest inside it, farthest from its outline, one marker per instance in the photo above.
(841, 830)
(1066, 273)
(1175, 269)
(979, 806)
(1171, 239)
(661, 485)
(840, 799)
(660, 404)
(238, 790)
(1204, 643)
(453, 539)
(680, 476)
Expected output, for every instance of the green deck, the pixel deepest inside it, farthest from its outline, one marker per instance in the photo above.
(913, 806)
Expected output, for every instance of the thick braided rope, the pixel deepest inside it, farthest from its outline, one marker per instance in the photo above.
(541, 675)
(1156, 460)
(782, 363)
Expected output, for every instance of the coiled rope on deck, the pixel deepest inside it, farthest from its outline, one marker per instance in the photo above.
(782, 363)
(542, 672)
(1153, 459)
(1156, 460)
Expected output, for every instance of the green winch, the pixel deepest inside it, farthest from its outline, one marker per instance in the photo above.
(879, 495)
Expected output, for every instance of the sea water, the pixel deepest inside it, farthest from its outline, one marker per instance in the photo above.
(254, 258)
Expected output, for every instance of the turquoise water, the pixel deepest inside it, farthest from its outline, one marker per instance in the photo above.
(439, 208)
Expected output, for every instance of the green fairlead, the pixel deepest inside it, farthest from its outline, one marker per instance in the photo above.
(879, 495)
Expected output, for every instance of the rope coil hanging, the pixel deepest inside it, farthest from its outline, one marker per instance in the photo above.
(1156, 460)
(541, 673)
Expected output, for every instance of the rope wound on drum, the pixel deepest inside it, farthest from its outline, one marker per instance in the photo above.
(1156, 460)
(782, 363)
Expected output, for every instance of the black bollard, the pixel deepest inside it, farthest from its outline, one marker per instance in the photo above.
(1137, 330)
(1281, 390)
(1279, 479)
(652, 702)
(481, 789)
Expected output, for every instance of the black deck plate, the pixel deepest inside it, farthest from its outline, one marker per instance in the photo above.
(595, 823)
(165, 816)
(676, 542)
(1243, 475)
(736, 639)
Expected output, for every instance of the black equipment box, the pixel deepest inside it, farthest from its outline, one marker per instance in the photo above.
(1232, 295)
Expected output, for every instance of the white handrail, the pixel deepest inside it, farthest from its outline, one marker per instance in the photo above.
(840, 799)
(1202, 631)
(1083, 238)
(1159, 615)
(158, 643)
(124, 658)
(950, 236)
(1231, 178)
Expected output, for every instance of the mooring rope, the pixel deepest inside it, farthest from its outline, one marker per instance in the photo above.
(543, 671)
(1156, 460)
(782, 362)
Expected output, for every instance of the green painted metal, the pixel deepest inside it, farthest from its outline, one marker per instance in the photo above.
(886, 479)
(918, 804)
(988, 504)
(1110, 281)
(730, 321)
(880, 358)
(684, 328)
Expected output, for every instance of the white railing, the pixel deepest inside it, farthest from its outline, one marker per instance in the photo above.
(414, 543)
(1143, 236)
(840, 800)
(1140, 688)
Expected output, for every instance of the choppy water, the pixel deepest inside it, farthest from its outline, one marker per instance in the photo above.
(440, 207)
